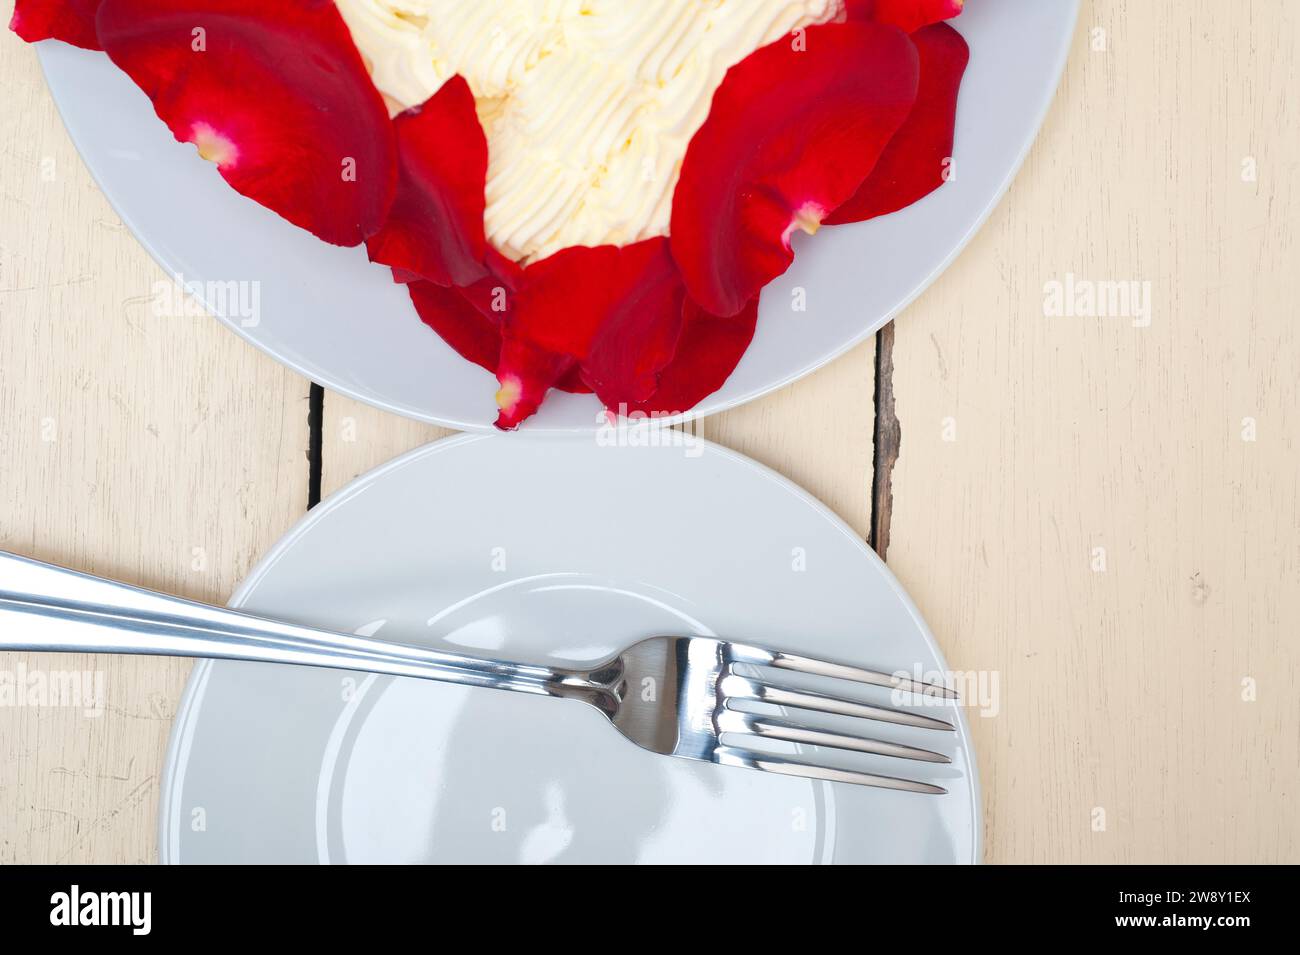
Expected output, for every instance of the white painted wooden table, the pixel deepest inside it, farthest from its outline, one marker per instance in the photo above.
(1101, 513)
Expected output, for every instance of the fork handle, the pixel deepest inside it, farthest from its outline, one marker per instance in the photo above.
(44, 607)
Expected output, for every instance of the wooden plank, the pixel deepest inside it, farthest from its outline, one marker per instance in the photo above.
(357, 437)
(1103, 512)
(155, 448)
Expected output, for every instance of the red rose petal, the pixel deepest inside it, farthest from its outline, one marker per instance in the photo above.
(617, 311)
(572, 382)
(72, 21)
(916, 160)
(613, 320)
(275, 94)
(457, 322)
(790, 136)
(908, 15)
(435, 226)
(634, 345)
(507, 271)
(492, 294)
(707, 353)
(568, 298)
(611, 314)
(526, 374)
(403, 277)
(473, 335)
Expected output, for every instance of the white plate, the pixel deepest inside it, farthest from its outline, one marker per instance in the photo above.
(334, 317)
(556, 550)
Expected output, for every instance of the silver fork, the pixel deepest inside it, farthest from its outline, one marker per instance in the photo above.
(694, 697)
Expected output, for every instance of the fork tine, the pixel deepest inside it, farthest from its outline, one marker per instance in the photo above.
(735, 721)
(734, 686)
(730, 756)
(841, 671)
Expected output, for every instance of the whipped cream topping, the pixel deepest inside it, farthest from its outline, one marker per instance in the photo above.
(588, 105)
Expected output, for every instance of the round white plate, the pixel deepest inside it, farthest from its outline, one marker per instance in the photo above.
(334, 317)
(548, 550)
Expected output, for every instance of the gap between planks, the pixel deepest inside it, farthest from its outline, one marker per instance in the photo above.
(887, 439)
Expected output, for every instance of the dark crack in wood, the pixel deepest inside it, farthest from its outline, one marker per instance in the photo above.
(888, 438)
(315, 442)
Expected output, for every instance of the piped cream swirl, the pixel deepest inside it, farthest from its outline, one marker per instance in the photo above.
(588, 105)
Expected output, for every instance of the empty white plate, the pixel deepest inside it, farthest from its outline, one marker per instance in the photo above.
(334, 317)
(558, 549)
